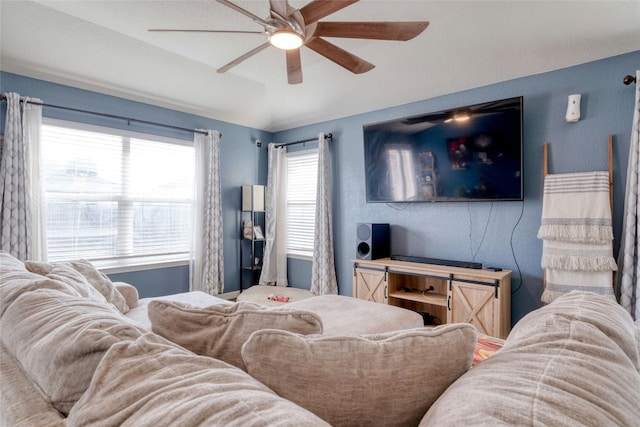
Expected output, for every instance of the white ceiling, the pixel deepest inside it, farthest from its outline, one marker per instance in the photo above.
(104, 46)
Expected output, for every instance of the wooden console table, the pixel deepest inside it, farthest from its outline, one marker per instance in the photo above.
(447, 294)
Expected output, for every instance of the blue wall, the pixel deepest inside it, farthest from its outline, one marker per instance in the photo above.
(501, 234)
(156, 282)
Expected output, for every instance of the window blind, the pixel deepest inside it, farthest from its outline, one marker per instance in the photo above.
(302, 176)
(112, 195)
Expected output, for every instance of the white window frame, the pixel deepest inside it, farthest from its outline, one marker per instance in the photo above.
(306, 251)
(129, 263)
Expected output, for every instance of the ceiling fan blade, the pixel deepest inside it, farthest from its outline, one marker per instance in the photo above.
(401, 31)
(340, 56)
(243, 57)
(244, 12)
(318, 9)
(294, 67)
(280, 8)
(169, 30)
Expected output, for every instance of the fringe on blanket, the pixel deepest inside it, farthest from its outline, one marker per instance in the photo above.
(575, 233)
(578, 256)
(576, 263)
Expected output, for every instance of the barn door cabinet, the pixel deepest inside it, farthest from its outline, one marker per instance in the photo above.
(370, 284)
(442, 294)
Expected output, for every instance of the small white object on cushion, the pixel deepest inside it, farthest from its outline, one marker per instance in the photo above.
(98, 280)
(151, 382)
(572, 362)
(220, 331)
(59, 339)
(388, 379)
(140, 313)
(346, 315)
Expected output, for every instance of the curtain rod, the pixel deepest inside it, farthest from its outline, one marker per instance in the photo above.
(628, 79)
(284, 144)
(111, 116)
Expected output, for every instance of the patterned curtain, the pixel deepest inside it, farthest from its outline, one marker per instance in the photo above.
(323, 270)
(274, 266)
(628, 275)
(207, 258)
(22, 219)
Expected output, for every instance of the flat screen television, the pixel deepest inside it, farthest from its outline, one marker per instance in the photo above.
(471, 153)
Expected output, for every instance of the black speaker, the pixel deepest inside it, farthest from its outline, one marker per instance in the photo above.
(373, 241)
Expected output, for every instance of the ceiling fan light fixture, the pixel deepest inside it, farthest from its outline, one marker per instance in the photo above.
(285, 39)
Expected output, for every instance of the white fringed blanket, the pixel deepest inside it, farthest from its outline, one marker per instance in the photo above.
(573, 256)
(577, 233)
(576, 208)
(560, 282)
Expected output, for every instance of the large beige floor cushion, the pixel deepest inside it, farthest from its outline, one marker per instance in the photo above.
(346, 315)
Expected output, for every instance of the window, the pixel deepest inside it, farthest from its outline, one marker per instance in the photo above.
(302, 175)
(114, 197)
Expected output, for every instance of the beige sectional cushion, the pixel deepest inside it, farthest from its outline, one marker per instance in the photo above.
(38, 267)
(14, 284)
(638, 336)
(102, 283)
(140, 313)
(151, 382)
(389, 379)
(59, 339)
(129, 292)
(70, 277)
(9, 262)
(22, 404)
(15, 280)
(259, 294)
(80, 273)
(346, 315)
(573, 362)
(219, 331)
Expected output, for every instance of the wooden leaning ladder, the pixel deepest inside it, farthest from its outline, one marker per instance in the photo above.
(609, 152)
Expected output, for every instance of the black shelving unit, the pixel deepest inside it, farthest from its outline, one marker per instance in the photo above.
(251, 244)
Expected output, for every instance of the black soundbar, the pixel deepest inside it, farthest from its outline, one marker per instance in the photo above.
(447, 262)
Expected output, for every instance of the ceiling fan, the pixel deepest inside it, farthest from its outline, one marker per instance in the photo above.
(289, 29)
